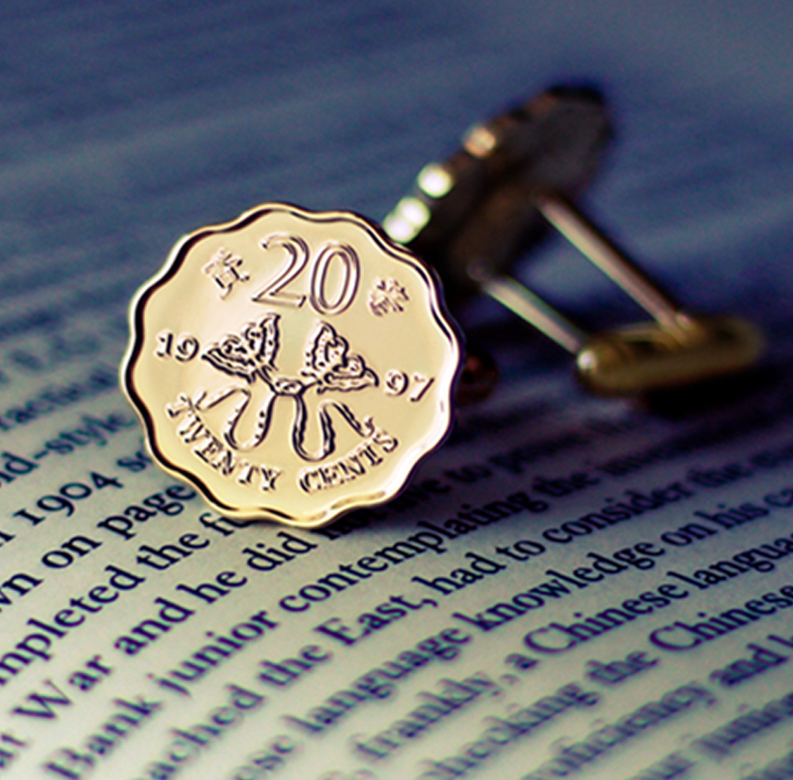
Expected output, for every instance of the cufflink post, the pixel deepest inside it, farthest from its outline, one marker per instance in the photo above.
(610, 259)
(520, 300)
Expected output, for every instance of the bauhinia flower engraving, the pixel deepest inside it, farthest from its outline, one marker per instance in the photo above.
(328, 366)
(249, 355)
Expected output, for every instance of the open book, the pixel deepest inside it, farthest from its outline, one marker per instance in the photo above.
(568, 588)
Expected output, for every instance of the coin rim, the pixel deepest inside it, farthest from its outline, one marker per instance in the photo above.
(394, 483)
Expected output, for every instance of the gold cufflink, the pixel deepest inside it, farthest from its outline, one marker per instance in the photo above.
(475, 214)
(291, 365)
(294, 365)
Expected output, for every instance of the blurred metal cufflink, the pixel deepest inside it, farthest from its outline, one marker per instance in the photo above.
(473, 215)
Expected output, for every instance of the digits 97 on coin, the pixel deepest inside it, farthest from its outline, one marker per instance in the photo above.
(291, 365)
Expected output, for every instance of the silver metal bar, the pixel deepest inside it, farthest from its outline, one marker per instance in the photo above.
(530, 307)
(612, 261)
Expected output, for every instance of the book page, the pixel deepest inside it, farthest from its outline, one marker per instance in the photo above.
(569, 587)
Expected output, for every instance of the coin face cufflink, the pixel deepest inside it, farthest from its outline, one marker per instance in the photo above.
(291, 365)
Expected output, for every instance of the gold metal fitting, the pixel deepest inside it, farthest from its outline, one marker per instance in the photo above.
(515, 176)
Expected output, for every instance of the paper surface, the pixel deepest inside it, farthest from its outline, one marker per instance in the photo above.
(570, 587)
(564, 586)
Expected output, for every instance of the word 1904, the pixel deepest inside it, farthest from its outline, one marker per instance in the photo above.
(67, 496)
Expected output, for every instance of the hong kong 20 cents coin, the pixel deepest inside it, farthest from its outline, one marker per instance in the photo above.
(291, 365)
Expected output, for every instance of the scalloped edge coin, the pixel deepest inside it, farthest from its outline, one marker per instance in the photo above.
(291, 365)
